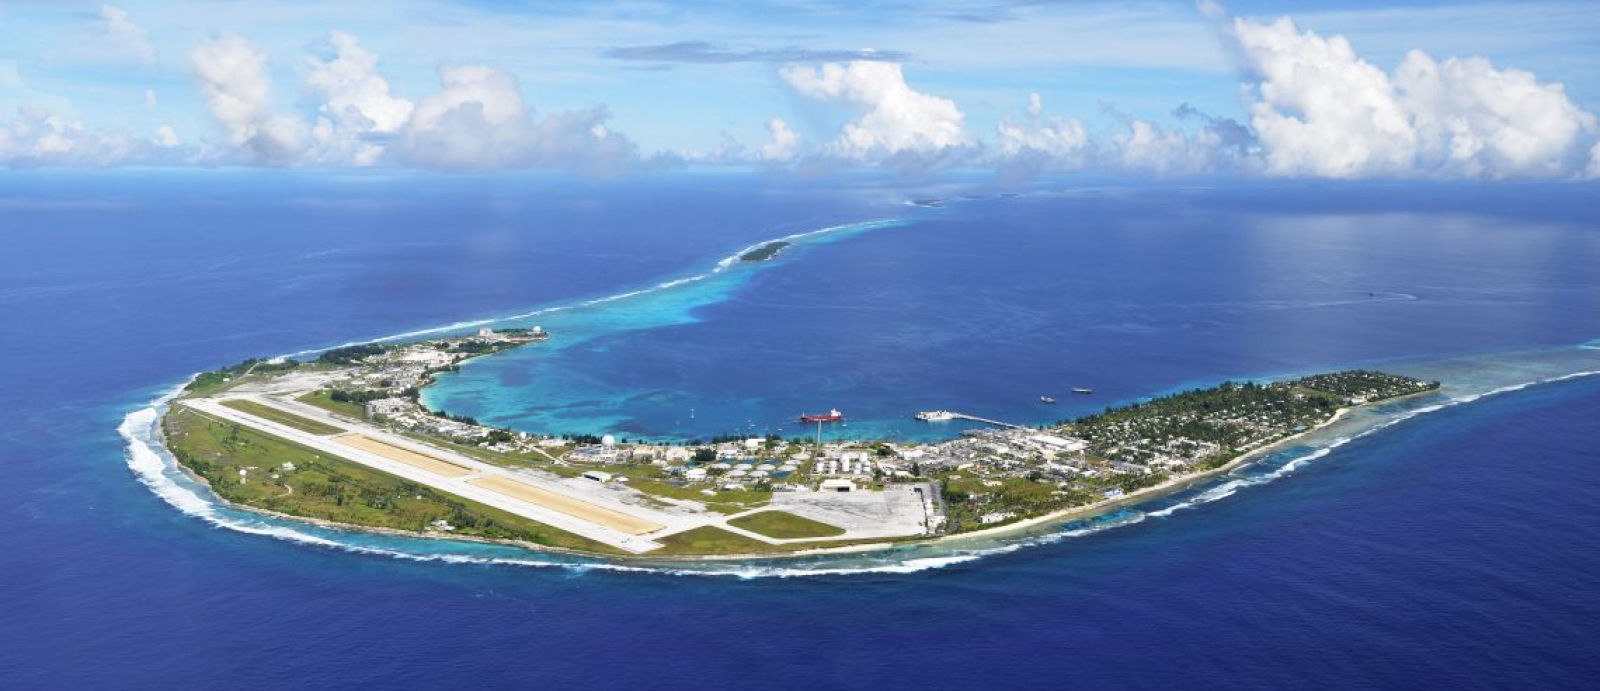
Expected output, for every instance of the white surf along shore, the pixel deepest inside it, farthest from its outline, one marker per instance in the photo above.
(158, 470)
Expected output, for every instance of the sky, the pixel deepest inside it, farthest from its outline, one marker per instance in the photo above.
(1296, 89)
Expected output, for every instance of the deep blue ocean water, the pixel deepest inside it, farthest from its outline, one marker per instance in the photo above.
(1457, 549)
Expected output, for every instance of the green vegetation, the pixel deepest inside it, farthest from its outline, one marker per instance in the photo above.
(327, 488)
(1219, 423)
(764, 252)
(495, 457)
(709, 539)
(654, 481)
(967, 499)
(283, 418)
(324, 399)
(1147, 444)
(1351, 385)
(783, 525)
(208, 383)
(350, 355)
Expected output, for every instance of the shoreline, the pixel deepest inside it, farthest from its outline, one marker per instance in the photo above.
(1009, 529)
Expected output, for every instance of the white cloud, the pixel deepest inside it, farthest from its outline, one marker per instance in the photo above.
(478, 119)
(150, 99)
(1148, 147)
(1037, 143)
(1320, 110)
(1481, 121)
(233, 77)
(475, 120)
(167, 137)
(125, 37)
(784, 143)
(38, 137)
(1594, 163)
(358, 111)
(1064, 140)
(892, 118)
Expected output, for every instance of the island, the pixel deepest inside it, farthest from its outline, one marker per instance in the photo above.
(344, 439)
(764, 252)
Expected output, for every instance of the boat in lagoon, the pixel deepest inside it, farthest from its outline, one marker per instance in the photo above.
(831, 416)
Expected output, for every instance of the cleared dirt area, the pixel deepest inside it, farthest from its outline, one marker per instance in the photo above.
(406, 456)
(615, 520)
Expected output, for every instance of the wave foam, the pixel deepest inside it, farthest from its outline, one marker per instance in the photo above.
(722, 265)
(154, 467)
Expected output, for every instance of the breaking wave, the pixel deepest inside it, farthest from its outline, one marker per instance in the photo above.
(155, 467)
(159, 471)
(1268, 470)
(722, 266)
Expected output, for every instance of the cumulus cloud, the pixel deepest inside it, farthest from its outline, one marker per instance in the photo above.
(358, 115)
(1486, 122)
(232, 76)
(479, 119)
(784, 143)
(1037, 143)
(1146, 146)
(893, 121)
(38, 137)
(123, 36)
(1062, 140)
(1320, 110)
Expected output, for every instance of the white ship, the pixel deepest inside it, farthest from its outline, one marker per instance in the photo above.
(936, 416)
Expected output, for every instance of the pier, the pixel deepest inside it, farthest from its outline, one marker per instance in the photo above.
(987, 421)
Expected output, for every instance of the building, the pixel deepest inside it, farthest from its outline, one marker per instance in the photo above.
(838, 485)
(1056, 443)
(387, 407)
(597, 476)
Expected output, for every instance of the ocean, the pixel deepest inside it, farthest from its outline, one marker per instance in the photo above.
(1449, 541)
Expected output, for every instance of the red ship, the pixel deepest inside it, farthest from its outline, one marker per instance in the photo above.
(831, 416)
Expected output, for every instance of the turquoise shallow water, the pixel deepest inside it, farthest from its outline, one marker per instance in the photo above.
(1456, 549)
(862, 316)
(984, 305)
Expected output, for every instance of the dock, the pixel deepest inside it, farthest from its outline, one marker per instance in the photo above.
(987, 421)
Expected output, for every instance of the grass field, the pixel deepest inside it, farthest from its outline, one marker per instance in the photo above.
(496, 458)
(320, 399)
(329, 488)
(710, 540)
(783, 525)
(283, 418)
